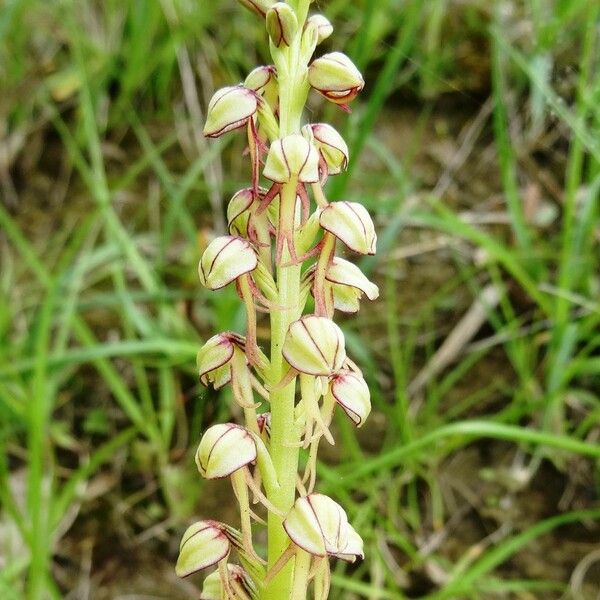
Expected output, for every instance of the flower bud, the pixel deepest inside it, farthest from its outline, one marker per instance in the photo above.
(214, 358)
(237, 212)
(336, 77)
(260, 7)
(213, 589)
(307, 233)
(351, 392)
(308, 42)
(346, 299)
(264, 423)
(292, 156)
(351, 223)
(229, 109)
(343, 272)
(203, 545)
(226, 258)
(330, 144)
(258, 79)
(320, 527)
(282, 24)
(223, 449)
(315, 346)
(324, 27)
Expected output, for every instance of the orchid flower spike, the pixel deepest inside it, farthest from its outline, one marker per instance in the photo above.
(280, 220)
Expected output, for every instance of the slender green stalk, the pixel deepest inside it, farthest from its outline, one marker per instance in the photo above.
(284, 451)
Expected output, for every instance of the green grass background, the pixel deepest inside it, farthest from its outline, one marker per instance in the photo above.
(110, 193)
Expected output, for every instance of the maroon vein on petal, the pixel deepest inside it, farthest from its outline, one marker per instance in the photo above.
(224, 362)
(212, 264)
(313, 340)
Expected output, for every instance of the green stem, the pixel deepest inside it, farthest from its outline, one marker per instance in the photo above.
(293, 90)
(283, 447)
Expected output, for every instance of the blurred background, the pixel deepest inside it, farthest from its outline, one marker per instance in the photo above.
(475, 146)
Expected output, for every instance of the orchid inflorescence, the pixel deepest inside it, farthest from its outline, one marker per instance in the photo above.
(281, 249)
